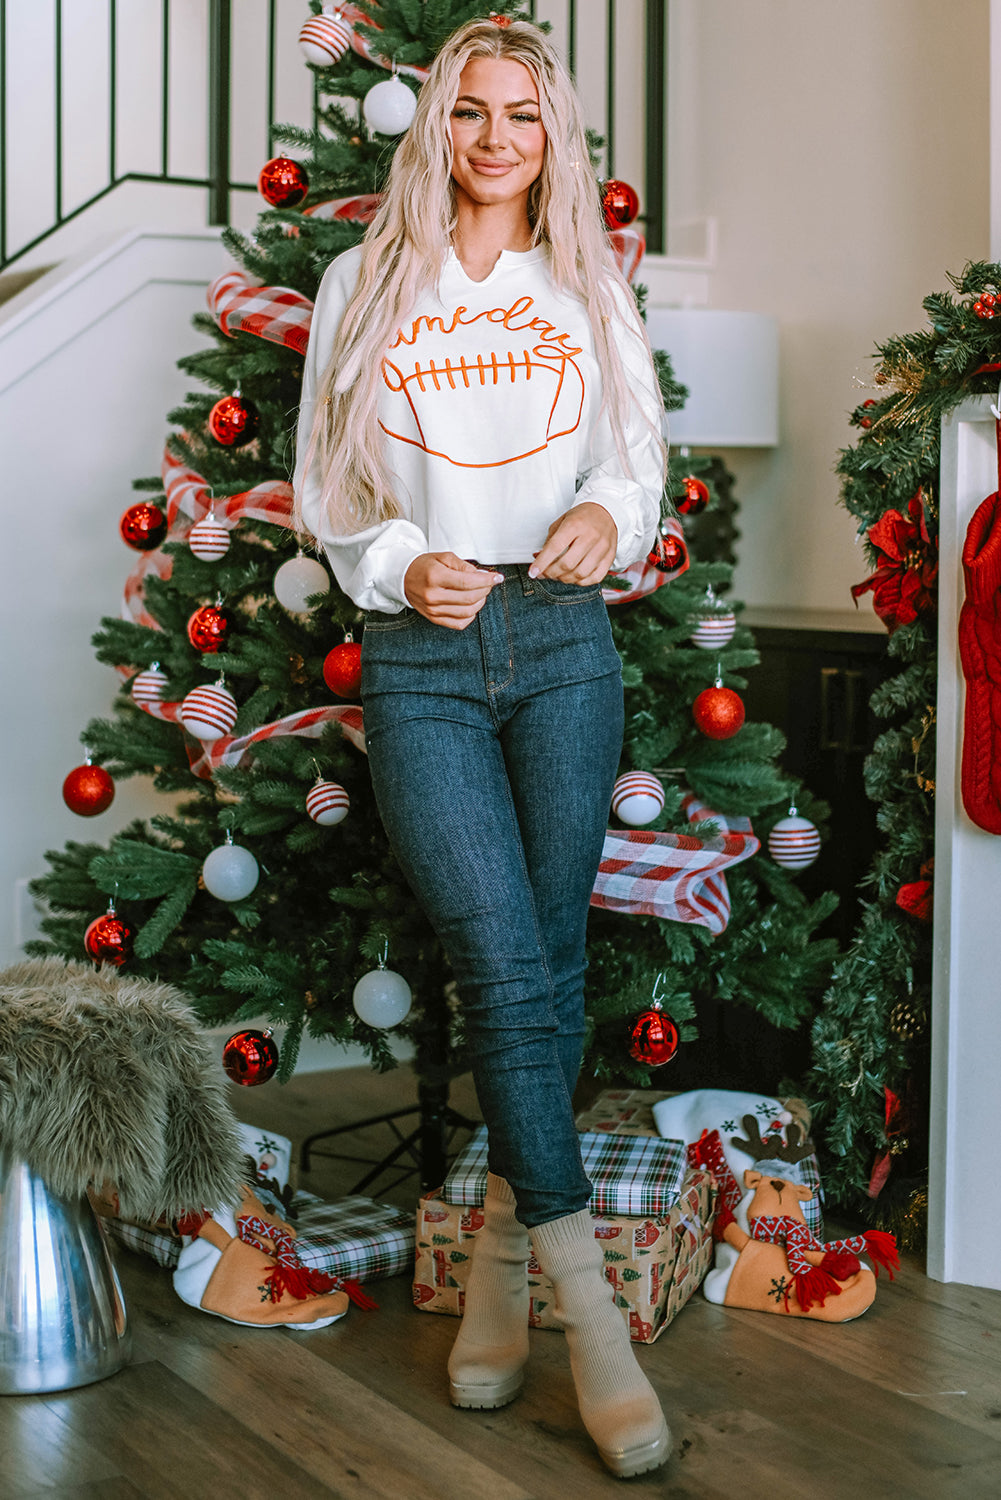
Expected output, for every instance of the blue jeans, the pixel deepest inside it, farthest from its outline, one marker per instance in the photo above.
(493, 751)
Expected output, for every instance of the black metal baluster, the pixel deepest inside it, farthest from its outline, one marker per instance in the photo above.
(272, 50)
(59, 112)
(656, 122)
(610, 91)
(219, 106)
(165, 91)
(112, 92)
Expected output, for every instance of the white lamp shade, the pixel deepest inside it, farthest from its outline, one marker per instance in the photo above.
(730, 364)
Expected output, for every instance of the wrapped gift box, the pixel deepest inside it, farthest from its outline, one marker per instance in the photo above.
(654, 1263)
(632, 1176)
(622, 1112)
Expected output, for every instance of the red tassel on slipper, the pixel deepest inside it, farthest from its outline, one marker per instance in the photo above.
(882, 1247)
(813, 1286)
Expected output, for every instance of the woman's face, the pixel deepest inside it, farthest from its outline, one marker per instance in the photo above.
(498, 140)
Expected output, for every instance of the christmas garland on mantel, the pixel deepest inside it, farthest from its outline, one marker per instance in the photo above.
(871, 1048)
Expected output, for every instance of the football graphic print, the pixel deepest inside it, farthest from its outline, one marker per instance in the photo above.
(519, 390)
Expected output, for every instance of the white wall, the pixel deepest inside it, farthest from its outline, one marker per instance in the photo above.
(843, 150)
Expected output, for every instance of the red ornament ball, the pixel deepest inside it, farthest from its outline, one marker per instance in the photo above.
(718, 712)
(88, 790)
(233, 422)
(209, 627)
(143, 526)
(986, 306)
(283, 182)
(342, 670)
(619, 203)
(669, 554)
(695, 496)
(250, 1057)
(108, 939)
(653, 1039)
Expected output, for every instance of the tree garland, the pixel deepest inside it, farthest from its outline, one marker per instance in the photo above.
(871, 1048)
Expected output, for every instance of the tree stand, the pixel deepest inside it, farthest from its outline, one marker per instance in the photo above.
(425, 1149)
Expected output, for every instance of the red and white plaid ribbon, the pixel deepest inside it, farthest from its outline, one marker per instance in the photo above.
(361, 209)
(642, 576)
(276, 313)
(188, 500)
(364, 48)
(673, 875)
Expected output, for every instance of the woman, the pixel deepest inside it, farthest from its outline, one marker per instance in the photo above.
(479, 442)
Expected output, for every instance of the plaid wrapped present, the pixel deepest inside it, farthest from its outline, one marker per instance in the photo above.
(354, 1238)
(631, 1176)
(654, 1263)
(155, 1241)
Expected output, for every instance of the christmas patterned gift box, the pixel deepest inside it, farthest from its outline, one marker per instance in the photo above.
(622, 1112)
(632, 1176)
(654, 1263)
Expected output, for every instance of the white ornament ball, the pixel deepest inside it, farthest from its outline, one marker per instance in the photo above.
(381, 998)
(327, 803)
(715, 631)
(150, 686)
(208, 540)
(637, 798)
(794, 842)
(230, 872)
(296, 580)
(389, 107)
(324, 39)
(208, 712)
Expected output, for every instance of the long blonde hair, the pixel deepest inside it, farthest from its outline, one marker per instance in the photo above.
(406, 247)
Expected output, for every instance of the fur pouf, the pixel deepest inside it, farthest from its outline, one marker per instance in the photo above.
(105, 1078)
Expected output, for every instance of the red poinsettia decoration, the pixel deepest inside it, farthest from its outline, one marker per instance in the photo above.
(903, 586)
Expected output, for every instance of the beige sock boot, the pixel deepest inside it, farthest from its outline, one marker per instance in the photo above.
(485, 1366)
(618, 1405)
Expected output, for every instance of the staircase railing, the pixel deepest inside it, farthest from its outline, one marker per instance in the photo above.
(578, 15)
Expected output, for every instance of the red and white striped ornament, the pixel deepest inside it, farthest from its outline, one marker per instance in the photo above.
(327, 803)
(150, 686)
(794, 842)
(712, 632)
(637, 798)
(208, 540)
(209, 712)
(324, 39)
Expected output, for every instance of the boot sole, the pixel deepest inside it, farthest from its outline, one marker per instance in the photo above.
(486, 1397)
(624, 1465)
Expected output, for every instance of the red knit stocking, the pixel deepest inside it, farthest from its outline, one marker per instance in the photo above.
(980, 653)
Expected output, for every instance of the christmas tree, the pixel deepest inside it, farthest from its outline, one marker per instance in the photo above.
(871, 1039)
(268, 886)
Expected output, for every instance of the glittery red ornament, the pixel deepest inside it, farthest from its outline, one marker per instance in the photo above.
(342, 670)
(108, 939)
(654, 1038)
(718, 712)
(143, 526)
(695, 497)
(250, 1057)
(668, 554)
(88, 790)
(208, 628)
(233, 421)
(619, 203)
(283, 182)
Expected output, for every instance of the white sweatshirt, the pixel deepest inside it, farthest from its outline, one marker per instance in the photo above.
(490, 409)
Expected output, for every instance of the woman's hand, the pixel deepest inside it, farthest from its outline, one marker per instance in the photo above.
(446, 589)
(580, 546)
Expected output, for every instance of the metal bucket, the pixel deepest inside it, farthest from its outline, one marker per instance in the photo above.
(62, 1314)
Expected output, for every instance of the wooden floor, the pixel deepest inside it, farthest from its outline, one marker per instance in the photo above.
(903, 1404)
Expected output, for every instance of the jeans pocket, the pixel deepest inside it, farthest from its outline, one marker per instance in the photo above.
(555, 591)
(376, 619)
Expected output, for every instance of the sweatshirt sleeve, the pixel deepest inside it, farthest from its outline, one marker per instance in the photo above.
(633, 501)
(369, 565)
